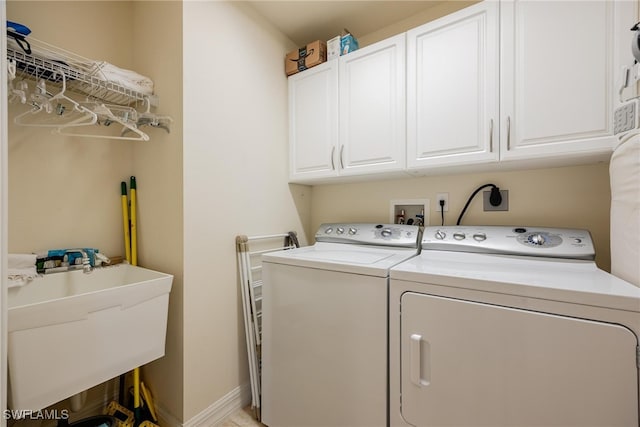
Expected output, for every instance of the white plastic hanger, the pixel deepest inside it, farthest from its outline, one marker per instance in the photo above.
(21, 91)
(109, 115)
(41, 102)
(147, 118)
(71, 114)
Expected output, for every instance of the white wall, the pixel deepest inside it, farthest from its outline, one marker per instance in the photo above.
(235, 181)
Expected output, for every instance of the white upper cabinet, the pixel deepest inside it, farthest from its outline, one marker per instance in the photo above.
(372, 108)
(313, 122)
(347, 116)
(452, 89)
(523, 83)
(558, 81)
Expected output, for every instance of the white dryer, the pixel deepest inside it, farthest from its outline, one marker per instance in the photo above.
(325, 313)
(506, 326)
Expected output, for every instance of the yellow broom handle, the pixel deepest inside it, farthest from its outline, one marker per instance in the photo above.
(134, 237)
(136, 388)
(125, 221)
(134, 261)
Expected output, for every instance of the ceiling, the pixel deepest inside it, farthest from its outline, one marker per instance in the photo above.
(305, 21)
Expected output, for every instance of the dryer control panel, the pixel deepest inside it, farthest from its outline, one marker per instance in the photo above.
(524, 241)
(395, 235)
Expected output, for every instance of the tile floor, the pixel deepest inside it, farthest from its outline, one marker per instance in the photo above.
(242, 418)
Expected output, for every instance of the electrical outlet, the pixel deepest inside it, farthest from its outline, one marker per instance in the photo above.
(504, 206)
(445, 197)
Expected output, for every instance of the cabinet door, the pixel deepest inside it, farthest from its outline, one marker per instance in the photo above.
(372, 108)
(452, 89)
(466, 363)
(313, 122)
(557, 78)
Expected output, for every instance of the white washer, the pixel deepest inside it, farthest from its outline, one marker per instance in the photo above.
(325, 313)
(506, 326)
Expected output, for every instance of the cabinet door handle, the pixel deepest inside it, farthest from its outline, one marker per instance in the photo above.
(416, 367)
(333, 165)
(508, 133)
(491, 136)
(341, 161)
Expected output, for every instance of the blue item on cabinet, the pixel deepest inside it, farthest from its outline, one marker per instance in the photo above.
(348, 43)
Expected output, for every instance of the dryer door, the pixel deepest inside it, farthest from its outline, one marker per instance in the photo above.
(466, 363)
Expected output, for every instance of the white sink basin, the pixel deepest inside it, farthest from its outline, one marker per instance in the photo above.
(70, 331)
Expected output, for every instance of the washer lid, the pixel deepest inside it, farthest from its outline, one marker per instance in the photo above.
(573, 281)
(348, 258)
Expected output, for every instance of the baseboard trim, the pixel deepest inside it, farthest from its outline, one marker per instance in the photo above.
(216, 413)
(166, 418)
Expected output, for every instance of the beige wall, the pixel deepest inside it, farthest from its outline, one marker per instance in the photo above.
(235, 182)
(235, 171)
(157, 46)
(65, 191)
(429, 14)
(221, 172)
(576, 197)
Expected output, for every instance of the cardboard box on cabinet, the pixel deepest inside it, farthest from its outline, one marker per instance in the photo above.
(307, 56)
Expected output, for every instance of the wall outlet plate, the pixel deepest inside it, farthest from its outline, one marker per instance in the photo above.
(445, 197)
(504, 206)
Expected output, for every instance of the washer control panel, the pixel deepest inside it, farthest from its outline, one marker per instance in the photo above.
(527, 241)
(398, 235)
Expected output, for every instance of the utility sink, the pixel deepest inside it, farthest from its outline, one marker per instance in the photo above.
(70, 331)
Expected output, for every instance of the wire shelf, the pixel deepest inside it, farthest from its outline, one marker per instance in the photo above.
(83, 75)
